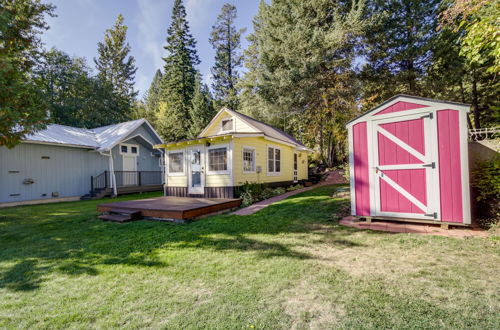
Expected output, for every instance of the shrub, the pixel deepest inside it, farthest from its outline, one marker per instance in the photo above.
(292, 188)
(486, 181)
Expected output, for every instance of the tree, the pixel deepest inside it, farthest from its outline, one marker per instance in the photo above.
(152, 97)
(300, 72)
(22, 107)
(397, 48)
(468, 51)
(225, 39)
(114, 64)
(178, 84)
(477, 20)
(202, 110)
(73, 95)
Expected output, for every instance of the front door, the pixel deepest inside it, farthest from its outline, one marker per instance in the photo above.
(405, 172)
(196, 173)
(129, 174)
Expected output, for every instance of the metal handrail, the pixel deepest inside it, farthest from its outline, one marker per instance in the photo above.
(480, 134)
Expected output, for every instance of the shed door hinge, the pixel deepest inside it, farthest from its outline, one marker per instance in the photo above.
(430, 116)
(434, 215)
(432, 165)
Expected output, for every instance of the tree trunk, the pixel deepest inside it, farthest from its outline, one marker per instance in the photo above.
(475, 101)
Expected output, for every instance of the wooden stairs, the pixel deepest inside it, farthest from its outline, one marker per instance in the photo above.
(121, 215)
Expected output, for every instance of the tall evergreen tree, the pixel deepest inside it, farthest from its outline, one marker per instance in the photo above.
(178, 84)
(22, 107)
(303, 51)
(114, 64)
(202, 110)
(225, 39)
(152, 98)
(397, 46)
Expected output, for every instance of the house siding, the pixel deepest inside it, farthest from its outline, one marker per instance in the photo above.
(67, 171)
(260, 145)
(239, 126)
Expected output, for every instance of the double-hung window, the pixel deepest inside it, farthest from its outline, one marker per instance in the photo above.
(273, 160)
(217, 160)
(176, 163)
(248, 160)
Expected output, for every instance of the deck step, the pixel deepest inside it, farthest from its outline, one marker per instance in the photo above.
(116, 217)
(125, 211)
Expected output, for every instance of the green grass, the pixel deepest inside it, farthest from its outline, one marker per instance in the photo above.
(287, 266)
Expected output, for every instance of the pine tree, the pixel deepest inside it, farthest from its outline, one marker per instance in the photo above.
(300, 74)
(398, 48)
(225, 39)
(152, 97)
(22, 106)
(202, 110)
(178, 84)
(114, 64)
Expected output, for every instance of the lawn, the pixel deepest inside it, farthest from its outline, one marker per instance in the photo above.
(287, 266)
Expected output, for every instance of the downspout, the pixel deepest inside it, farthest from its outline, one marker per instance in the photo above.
(111, 171)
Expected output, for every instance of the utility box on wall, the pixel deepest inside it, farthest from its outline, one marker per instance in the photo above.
(409, 160)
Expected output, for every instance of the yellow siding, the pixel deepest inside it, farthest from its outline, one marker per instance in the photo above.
(176, 180)
(260, 145)
(239, 126)
(237, 176)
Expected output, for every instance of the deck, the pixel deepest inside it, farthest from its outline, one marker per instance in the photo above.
(179, 208)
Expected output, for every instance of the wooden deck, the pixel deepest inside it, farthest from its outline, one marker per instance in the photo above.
(180, 208)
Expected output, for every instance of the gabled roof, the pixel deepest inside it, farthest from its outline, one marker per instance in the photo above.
(423, 100)
(100, 138)
(259, 127)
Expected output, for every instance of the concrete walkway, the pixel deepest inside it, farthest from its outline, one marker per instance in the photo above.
(333, 178)
(420, 229)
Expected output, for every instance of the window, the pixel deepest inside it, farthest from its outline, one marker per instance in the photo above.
(227, 125)
(217, 159)
(176, 162)
(129, 149)
(273, 160)
(248, 160)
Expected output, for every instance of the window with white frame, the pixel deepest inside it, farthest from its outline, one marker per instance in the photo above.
(248, 159)
(176, 162)
(217, 159)
(273, 160)
(227, 125)
(129, 149)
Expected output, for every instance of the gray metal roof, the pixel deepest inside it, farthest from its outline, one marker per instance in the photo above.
(100, 138)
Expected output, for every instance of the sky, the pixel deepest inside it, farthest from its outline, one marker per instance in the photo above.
(80, 25)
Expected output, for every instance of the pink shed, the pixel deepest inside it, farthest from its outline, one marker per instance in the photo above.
(409, 160)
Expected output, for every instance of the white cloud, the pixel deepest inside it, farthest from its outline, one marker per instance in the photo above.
(152, 22)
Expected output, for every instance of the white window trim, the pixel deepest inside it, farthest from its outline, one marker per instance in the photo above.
(167, 165)
(222, 130)
(267, 160)
(129, 149)
(254, 159)
(229, 159)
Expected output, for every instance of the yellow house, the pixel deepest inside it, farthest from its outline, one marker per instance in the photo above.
(231, 150)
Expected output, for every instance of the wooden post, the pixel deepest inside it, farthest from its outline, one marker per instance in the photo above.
(139, 174)
(91, 184)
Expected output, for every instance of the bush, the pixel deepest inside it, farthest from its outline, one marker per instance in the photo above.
(292, 188)
(486, 181)
(254, 192)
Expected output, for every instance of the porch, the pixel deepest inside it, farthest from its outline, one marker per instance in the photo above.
(126, 182)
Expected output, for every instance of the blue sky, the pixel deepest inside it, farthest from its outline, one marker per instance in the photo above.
(80, 24)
